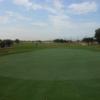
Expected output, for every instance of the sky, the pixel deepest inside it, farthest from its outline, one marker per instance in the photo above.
(48, 19)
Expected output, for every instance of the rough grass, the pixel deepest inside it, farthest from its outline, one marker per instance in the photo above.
(62, 73)
(27, 47)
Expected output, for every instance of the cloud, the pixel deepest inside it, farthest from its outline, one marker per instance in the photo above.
(60, 22)
(57, 6)
(43, 7)
(65, 26)
(25, 3)
(39, 24)
(37, 6)
(83, 8)
(28, 4)
(17, 16)
(10, 16)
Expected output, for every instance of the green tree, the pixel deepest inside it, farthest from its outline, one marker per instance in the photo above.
(97, 35)
(88, 40)
(17, 41)
(60, 41)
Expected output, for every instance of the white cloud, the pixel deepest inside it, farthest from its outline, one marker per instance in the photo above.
(39, 24)
(25, 3)
(58, 4)
(51, 10)
(34, 6)
(68, 28)
(43, 7)
(60, 22)
(58, 27)
(16, 16)
(83, 8)
(28, 4)
(10, 16)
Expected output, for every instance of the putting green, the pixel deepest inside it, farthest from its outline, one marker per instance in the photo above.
(52, 64)
(51, 74)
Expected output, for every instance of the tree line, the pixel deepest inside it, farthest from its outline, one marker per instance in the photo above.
(88, 40)
(96, 37)
(8, 43)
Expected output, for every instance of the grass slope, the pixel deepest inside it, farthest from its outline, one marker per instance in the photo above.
(51, 74)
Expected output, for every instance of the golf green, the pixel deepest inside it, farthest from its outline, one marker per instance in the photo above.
(51, 74)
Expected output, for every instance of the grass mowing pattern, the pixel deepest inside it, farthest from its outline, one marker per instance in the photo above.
(51, 74)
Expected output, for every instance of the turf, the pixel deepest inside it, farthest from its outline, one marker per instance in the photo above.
(50, 74)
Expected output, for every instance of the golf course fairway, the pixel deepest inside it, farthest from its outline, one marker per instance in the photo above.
(50, 74)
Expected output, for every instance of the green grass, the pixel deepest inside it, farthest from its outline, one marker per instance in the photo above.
(50, 72)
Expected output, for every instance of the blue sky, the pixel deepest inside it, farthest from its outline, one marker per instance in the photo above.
(48, 19)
